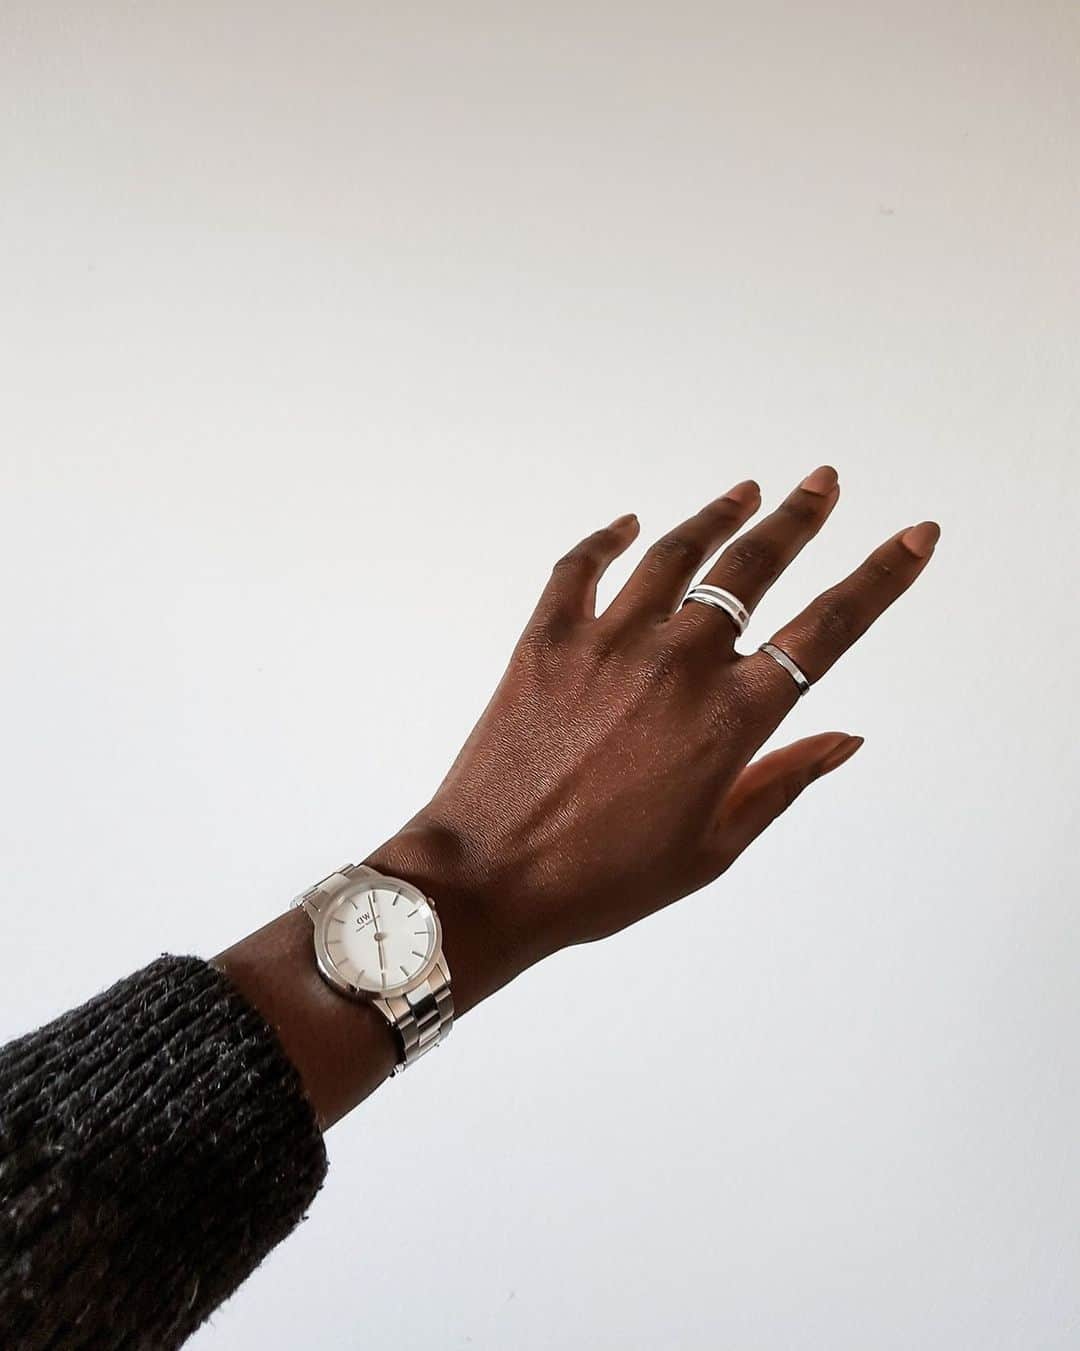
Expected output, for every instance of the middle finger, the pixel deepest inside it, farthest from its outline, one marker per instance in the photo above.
(750, 565)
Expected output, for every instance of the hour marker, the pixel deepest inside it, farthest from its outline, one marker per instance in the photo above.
(397, 897)
(336, 919)
(405, 971)
(419, 933)
(417, 954)
(413, 912)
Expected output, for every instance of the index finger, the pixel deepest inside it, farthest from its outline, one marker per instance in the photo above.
(838, 618)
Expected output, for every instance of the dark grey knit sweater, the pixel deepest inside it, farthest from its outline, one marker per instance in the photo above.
(155, 1144)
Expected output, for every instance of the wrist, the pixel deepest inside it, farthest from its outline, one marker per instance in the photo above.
(483, 951)
(344, 1048)
(341, 1049)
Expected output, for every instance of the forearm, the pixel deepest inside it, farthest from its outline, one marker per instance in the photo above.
(155, 1144)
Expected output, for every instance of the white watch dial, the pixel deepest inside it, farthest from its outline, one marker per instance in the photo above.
(380, 937)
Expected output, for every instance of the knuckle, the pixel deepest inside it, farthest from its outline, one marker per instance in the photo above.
(605, 648)
(754, 554)
(677, 548)
(747, 693)
(540, 644)
(879, 569)
(802, 510)
(588, 554)
(550, 625)
(836, 618)
(572, 562)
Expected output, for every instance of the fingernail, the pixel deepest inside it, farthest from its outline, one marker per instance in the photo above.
(744, 493)
(920, 539)
(844, 751)
(822, 481)
(621, 522)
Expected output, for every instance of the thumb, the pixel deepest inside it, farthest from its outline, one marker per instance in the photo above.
(771, 784)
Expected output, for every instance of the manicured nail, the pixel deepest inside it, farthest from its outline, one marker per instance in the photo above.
(844, 751)
(622, 522)
(744, 493)
(920, 539)
(822, 481)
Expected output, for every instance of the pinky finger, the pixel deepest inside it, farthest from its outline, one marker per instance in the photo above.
(768, 786)
(570, 594)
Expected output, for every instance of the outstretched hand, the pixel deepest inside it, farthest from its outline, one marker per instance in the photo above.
(613, 772)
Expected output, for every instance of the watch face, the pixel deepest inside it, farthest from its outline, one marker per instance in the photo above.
(380, 936)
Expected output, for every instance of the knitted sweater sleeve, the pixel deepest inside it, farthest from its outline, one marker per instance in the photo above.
(155, 1144)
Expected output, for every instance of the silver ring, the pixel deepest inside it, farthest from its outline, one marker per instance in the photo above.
(720, 599)
(782, 659)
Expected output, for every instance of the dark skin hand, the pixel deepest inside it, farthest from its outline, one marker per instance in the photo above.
(611, 774)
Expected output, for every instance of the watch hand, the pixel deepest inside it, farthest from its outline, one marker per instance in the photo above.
(378, 937)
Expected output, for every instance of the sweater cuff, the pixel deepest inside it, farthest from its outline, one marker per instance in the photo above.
(155, 1144)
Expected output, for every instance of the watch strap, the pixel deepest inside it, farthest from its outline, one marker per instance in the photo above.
(326, 889)
(423, 1017)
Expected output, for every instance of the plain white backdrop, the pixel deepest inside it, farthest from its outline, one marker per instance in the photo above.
(325, 329)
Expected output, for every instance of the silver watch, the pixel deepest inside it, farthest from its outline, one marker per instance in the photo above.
(378, 939)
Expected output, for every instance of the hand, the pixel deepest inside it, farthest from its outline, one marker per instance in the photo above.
(611, 772)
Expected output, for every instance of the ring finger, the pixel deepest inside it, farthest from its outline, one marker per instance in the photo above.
(832, 623)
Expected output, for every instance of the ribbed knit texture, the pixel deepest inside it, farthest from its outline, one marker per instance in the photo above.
(155, 1144)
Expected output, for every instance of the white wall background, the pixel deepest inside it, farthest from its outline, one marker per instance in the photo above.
(308, 309)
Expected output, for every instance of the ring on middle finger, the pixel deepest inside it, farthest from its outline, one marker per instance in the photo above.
(719, 599)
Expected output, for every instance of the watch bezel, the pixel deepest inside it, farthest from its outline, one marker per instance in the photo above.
(325, 962)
